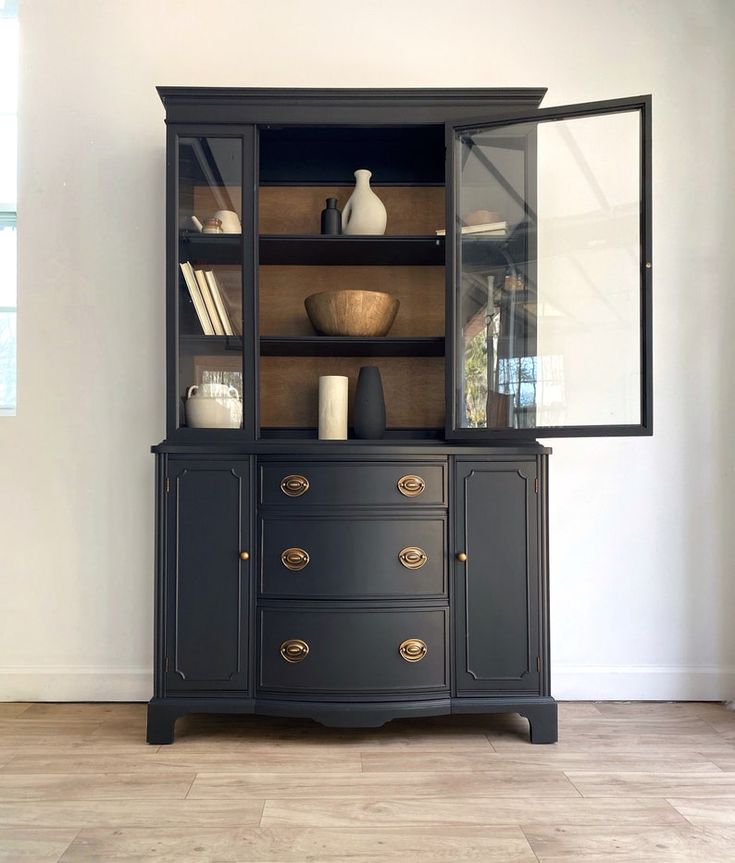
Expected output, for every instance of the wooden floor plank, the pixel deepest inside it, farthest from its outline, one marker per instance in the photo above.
(136, 812)
(174, 761)
(17, 727)
(85, 711)
(544, 757)
(563, 843)
(287, 844)
(534, 783)
(617, 784)
(82, 744)
(706, 811)
(73, 764)
(630, 710)
(92, 786)
(34, 845)
(12, 708)
(466, 811)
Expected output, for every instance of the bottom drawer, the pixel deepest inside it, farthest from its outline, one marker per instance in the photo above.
(346, 651)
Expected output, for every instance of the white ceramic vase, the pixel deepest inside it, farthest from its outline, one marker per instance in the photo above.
(213, 406)
(333, 407)
(364, 213)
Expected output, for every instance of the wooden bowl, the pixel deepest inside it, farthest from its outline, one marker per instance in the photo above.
(352, 313)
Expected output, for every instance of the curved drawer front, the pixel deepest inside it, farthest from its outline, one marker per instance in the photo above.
(346, 651)
(305, 484)
(353, 558)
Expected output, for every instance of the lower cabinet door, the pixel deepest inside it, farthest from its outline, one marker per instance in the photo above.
(207, 584)
(497, 625)
(395, 652)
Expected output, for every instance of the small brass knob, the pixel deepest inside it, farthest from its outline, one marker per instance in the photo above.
(294, 559)
(461, 557)
(244, 555)
(294, 650)
(413, 649)
(413, 557)
(411, 485)
(294, 485)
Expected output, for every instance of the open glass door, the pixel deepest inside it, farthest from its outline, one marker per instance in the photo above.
(549, 269)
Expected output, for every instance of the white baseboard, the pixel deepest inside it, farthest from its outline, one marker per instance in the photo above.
(75, 683)
(642, 682)
(568, 683)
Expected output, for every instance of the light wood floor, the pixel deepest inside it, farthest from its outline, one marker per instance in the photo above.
(634, 782)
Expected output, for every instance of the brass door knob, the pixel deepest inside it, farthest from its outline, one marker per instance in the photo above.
(294, 650)
(413, 557)
(413, 649)
(244, 555)
(294, 559)
(461, 557)
(294, 485)
(411, 485)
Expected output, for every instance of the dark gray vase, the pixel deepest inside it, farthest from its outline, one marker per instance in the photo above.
(369, 419)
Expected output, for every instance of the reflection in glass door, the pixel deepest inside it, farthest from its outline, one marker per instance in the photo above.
(547, 267)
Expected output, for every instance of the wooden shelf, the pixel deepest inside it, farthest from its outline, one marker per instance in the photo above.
(212, 344)
(212, 249)
(348, 250)
(322, 346)
(347, 346)
(324, 250)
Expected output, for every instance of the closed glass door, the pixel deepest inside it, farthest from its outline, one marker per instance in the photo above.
(213, 257)
(548, 256)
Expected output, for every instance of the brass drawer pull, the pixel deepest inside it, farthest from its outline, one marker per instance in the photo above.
(294, 650)
(410, 485)
(413, 557)
(413, 649)
(294, 485)
(294, 559)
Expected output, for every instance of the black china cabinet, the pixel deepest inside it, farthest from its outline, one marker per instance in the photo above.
(357, 581)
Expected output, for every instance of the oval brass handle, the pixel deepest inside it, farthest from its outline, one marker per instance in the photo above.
(461, 556)
(294, 559)
(411, 485)
(413, 557)
(294, 650)
(413, 649)
(244, 555)
(294, 485)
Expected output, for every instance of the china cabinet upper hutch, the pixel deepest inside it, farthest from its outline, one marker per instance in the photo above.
(358, 581)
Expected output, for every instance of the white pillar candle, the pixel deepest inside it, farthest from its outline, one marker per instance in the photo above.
(333, 407)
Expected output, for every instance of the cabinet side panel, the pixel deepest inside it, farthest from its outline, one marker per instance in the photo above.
(497, 586)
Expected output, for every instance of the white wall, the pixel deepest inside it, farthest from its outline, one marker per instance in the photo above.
(643, 538)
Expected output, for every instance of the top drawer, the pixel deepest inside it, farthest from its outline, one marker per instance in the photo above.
(353, 483)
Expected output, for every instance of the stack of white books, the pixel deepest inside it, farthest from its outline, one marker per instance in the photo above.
(492, 229)
(208, 301)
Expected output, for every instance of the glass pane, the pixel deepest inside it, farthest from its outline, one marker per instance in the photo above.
(210, 282)
(548, 273)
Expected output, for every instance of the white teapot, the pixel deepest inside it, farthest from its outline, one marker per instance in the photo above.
(213, 406)
(229, 222)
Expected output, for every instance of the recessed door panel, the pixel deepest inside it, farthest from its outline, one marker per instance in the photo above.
(497, 586)
(207, 583)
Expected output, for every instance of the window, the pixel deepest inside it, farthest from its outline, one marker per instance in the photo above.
(8, 193)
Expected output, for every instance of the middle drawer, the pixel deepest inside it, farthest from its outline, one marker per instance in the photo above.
(356, 557)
